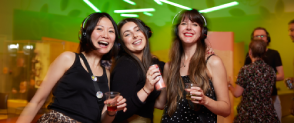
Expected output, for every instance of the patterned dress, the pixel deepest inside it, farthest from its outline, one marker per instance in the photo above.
(186, 114)
(257, 80)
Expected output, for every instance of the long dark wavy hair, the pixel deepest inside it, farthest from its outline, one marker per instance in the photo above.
(147, 59)
(197, 67)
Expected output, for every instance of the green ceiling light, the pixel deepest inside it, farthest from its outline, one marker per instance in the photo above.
(91, 5)
(158, 2)
(146, 13)
(129, 15)
(219, 7)
(174, 4)
(135, 10)
(130, 2)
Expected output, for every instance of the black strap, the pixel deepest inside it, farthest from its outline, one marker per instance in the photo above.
(90, 71)
(208, 58)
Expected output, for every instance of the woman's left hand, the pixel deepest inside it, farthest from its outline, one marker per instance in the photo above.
(198, 96)
(121, 104)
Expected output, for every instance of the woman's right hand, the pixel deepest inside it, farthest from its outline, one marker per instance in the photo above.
(152, 77)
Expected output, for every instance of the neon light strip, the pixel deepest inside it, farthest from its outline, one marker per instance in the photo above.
(130, 2)
(91, 5)
(129, 15)
(135, 10)
(219, 7)
(146, 13)
(174, 4)
(158, 2)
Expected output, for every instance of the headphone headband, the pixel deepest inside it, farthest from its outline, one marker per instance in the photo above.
(205, 23)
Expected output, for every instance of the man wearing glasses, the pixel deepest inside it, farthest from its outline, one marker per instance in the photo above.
(291, 34)
(272, 58)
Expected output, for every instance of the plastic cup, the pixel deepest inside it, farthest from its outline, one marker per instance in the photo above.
(111, 98)
(187, 88)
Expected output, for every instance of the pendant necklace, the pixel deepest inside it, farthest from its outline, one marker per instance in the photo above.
(99, 93)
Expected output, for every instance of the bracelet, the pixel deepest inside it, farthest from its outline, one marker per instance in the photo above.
(109, 114)
(145, 91)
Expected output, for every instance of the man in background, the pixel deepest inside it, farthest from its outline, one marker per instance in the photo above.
(273, 59)
(291, 34)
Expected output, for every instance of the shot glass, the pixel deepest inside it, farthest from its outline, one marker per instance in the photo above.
(188, 88)
(111, 98)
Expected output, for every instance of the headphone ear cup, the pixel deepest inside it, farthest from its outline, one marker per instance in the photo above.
(204, 32)
(84, 33)
(176, 31)
(268, 39)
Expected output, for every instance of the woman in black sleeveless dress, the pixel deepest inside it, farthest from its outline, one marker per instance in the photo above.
(190, 63)
(77, 78)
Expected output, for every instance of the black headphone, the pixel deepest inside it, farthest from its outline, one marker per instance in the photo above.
(267, 34)
(204, 29)
(83, 30)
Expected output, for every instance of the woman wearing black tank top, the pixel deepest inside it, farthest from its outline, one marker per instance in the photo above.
(190, 62)
(74, 76)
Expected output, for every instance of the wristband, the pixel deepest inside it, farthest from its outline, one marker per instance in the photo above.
(145, 91)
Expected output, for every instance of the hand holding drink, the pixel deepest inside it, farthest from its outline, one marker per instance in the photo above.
(111, 100)
(289, 82)
(160, 84)
(153, 79)
(188, 89)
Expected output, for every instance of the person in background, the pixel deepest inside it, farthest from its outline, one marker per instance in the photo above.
(254, 83)
(73, 77)
(191, 63)
(273, 59)
(134, 76)
(291, 34)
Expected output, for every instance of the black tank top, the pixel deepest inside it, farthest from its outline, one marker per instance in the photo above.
(75, 95)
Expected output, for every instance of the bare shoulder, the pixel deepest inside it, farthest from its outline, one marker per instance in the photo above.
(214, 61)
(67, 55)
(66, 59)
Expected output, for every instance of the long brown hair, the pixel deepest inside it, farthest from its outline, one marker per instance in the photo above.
(197, 66)
(147, 59)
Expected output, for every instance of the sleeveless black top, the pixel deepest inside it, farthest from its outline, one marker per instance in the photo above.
(75, 95)
(185, 112)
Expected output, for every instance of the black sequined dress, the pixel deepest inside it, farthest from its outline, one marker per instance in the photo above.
(185, 113)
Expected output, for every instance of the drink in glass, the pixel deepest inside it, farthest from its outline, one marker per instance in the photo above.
(111, 98)
(188, 88)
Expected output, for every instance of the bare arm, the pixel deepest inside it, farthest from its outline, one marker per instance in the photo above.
(219, 79)
(236, 91)
(280, 73)
(60, 65)
(161, 100)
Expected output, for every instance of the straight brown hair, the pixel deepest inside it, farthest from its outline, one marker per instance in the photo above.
(197, 67)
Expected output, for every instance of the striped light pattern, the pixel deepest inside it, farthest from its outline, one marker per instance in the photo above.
(129, 15)
(130, 2)
(91, 5)
(219, 7)
(135, 10)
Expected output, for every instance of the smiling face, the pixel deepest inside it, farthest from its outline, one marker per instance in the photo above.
(133, 37)
(188, 31)
(291, 31)
(103, 35)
